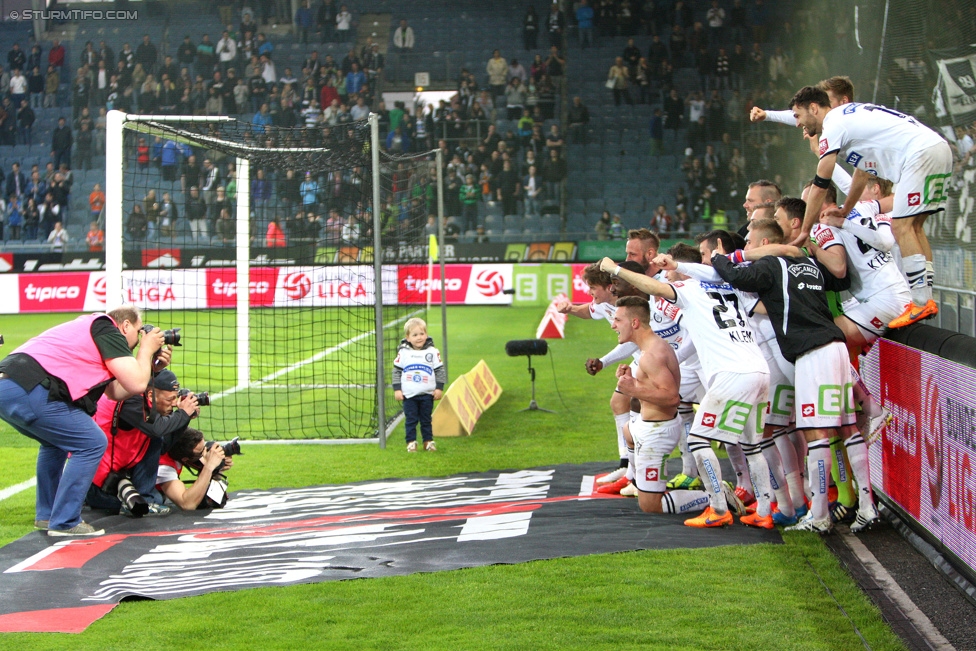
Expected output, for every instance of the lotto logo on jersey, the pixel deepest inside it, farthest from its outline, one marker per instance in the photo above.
(823, 146)
(877, 323)
(808, 410)
(709, 420)
(914, 198)
(651, 474)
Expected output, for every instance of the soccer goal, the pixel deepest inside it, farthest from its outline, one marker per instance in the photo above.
(200, 207)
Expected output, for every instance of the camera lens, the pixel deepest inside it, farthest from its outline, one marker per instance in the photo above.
(131, 499)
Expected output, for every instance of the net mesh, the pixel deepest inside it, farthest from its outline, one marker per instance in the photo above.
(310, 371)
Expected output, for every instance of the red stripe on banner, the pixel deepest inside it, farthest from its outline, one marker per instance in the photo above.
(56, 620)
(72, 555)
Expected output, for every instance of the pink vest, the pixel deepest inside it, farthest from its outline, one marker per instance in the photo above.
(69, 353)
(129, 444)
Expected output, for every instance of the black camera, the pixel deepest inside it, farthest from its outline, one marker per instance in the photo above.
(170, 337)
(231, 448)
(203, 398)
(131, 499)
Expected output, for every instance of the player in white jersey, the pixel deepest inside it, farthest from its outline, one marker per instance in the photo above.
(880, 141)
(860, 246)
(777, 447)
(737, 380)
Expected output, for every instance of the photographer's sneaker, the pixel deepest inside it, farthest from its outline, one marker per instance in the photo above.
(412, 446)
(41, 525)
(80, 529)
(611, 477)
(156, 510)
(429, 446)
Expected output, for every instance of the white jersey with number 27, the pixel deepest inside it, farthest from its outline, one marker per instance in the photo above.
(723, 335)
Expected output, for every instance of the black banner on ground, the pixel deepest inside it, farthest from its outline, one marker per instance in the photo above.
(326, 533)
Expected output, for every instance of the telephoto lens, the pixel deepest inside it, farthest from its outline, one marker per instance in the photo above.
(133, 503)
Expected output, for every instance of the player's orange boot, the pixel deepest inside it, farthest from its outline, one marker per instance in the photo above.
(614, 488)
(709, 518)
(756, 520)
(914, 313)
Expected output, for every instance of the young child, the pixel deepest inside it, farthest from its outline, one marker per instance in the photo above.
(418, 380)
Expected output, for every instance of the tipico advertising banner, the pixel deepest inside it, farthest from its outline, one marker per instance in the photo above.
(465, 284)
(926, 458)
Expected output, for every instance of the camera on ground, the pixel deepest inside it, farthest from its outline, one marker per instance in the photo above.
(130, 497)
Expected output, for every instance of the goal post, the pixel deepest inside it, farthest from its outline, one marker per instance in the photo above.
(291, 337)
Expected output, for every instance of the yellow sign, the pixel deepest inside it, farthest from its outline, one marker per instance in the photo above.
(465, 401)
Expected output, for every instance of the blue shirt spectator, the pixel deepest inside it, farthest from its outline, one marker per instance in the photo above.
(584, 16)
(355, 80)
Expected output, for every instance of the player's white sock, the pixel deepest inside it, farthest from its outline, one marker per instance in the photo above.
(710, 472)
(688, 465)
(800, 445)
(818, 470)
(619, 421)
(777, 478)
(863, 397)
(684, 501)
(759, 470)
(741, 467)
(857, 453)
(914, 268)
(929, 275)
(631, 465)
(791, 467)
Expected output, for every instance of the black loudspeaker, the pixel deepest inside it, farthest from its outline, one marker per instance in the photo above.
(526, 347)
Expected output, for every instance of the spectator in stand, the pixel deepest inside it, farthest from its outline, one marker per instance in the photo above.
(631, 56)
(55, 57)
(661, 220)
(344, 25)
(95, 238)
(58, 237)
(497, 71)
(584, 23)
(325, 21)
(275, 237)
(146, 54)
(61, 141)
(403, 37)
(96, 202)
(555, 25)
(757, 21)
(618, 79)
(674, 110)
(35, 87)
(530, 29)
(515, 98)
(737, 22)
(304, 21)
(355, 80)
(715, 17)
(679, 46)
(516, 69)
(554, 172)
(616, 228)
(656, 130)
(509, 188)
(25, 122)
(721, 71)
(532, 185)
(579, 118)
(602, 227)
(756, 65)
(555, 69)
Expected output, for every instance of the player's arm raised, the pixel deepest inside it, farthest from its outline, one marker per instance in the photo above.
(579, 310)
(858, 183)
(640, 281)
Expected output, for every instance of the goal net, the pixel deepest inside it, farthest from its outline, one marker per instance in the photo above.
(199, 208)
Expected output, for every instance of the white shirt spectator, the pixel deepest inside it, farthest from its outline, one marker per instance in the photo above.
(268, 72)
(343, 20)
(696, 110)
(58, 238)
(359, 112)
(403, 38)
(227, 49)
(18, 85)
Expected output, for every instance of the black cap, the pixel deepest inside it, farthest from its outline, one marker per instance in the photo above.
(166, 380)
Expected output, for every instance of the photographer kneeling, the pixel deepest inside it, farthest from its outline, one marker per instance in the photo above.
(209, 490)
(138, 430)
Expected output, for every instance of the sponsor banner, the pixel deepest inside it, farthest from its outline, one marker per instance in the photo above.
(157, 289)
(222, 287)
(6, 262)
(594, 251)
(580, 289)
(58, 262)
(451, 252)
(926, 459)
(539, 284)
(203, 258)
(63, 292)
(330, 286)
(465, 284)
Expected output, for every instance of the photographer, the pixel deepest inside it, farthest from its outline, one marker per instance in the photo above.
(138, 429)
(189, 449)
